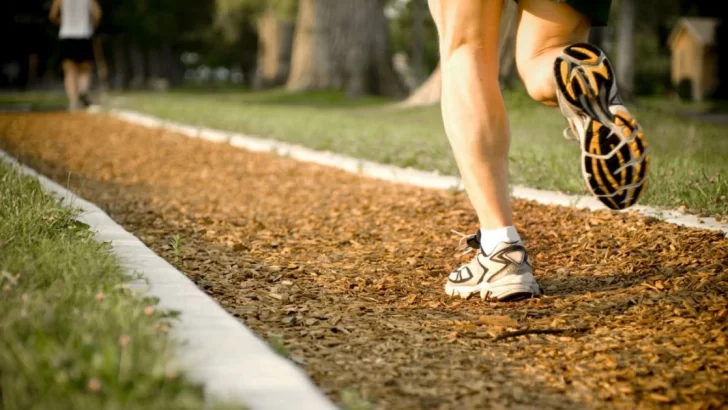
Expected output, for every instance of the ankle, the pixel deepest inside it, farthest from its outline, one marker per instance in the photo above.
(490, 238)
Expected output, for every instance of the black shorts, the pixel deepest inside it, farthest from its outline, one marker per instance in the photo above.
(78, 50)
(596, 10)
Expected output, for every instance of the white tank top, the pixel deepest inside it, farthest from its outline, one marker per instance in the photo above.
(76, 19)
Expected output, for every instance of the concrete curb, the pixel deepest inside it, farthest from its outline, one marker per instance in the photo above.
(217, 350)
(407, 176)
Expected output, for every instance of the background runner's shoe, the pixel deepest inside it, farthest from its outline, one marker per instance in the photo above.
(506, 274)
(85, 100)
(615, 159)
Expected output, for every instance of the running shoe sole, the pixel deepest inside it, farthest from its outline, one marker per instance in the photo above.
(509, 289)
(615, 158)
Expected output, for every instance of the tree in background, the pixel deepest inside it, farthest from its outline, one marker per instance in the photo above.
(272, 22)
(625, 48)
(29, 41)
(417, 60)
(144, 38)
(336, 44)
(275, 33)
(323, 44)
(343, 44)
(413, 35)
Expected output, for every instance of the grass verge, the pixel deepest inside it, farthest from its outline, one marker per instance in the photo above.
(71, 335)
(32, 101)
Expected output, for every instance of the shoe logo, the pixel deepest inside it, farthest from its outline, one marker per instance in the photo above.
(514, 254)
(485, 270)
(462, 274)
(510, 257)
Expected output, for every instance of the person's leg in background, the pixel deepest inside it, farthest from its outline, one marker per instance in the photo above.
(558, 67)
(70, 82)
(476, 124)
(84, 82)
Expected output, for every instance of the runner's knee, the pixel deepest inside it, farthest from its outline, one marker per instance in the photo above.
(544, 29)
(534, 69)
(84, 67)
(69, 67)
(461, 27)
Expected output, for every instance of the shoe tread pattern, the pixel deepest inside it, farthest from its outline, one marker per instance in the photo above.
(615, 158)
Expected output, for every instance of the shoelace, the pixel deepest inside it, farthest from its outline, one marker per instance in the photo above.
(467, 243)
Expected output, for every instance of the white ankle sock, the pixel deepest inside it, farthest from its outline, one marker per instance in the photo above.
(490, 238)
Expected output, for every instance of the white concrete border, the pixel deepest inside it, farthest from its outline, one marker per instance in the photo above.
(215, 349)
(402, 175)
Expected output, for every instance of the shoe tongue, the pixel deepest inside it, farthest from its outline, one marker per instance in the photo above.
(474, 240)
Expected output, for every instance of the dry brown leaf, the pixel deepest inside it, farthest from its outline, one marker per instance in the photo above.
(497, 321)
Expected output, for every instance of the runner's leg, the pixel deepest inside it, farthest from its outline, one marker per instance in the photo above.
(473, 111)
(70, 82)
(545, 28)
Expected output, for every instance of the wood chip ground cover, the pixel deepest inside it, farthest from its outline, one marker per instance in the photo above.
(349, 272)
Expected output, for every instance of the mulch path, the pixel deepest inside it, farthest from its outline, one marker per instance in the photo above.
(349, 271)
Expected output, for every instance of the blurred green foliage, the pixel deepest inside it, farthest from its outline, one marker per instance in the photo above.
(401, 30)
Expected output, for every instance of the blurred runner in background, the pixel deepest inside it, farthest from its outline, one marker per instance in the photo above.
(77, 19)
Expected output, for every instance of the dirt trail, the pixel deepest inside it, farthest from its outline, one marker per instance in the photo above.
(350, 271)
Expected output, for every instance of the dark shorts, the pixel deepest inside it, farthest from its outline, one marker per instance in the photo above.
(78, 50)
(596, 10)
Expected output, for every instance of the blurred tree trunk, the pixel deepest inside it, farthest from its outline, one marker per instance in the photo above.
(275, 40)
(172, 65)
(507, 44)
(33, 69)
(419, 12)
(139, 71)
(102, 67)
(369, 35)
(155, 76)
(343, 44)
(430, 91)
(625, 48)
(598, 37)
(121, 62)
(164, 68)
(306, 72)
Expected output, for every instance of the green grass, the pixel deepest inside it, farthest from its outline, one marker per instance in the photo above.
(689, 166)
(34, 101)
(71, 335)
(678, 106)
(351, 399)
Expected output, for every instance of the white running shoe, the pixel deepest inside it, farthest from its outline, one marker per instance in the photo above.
(505, 275)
